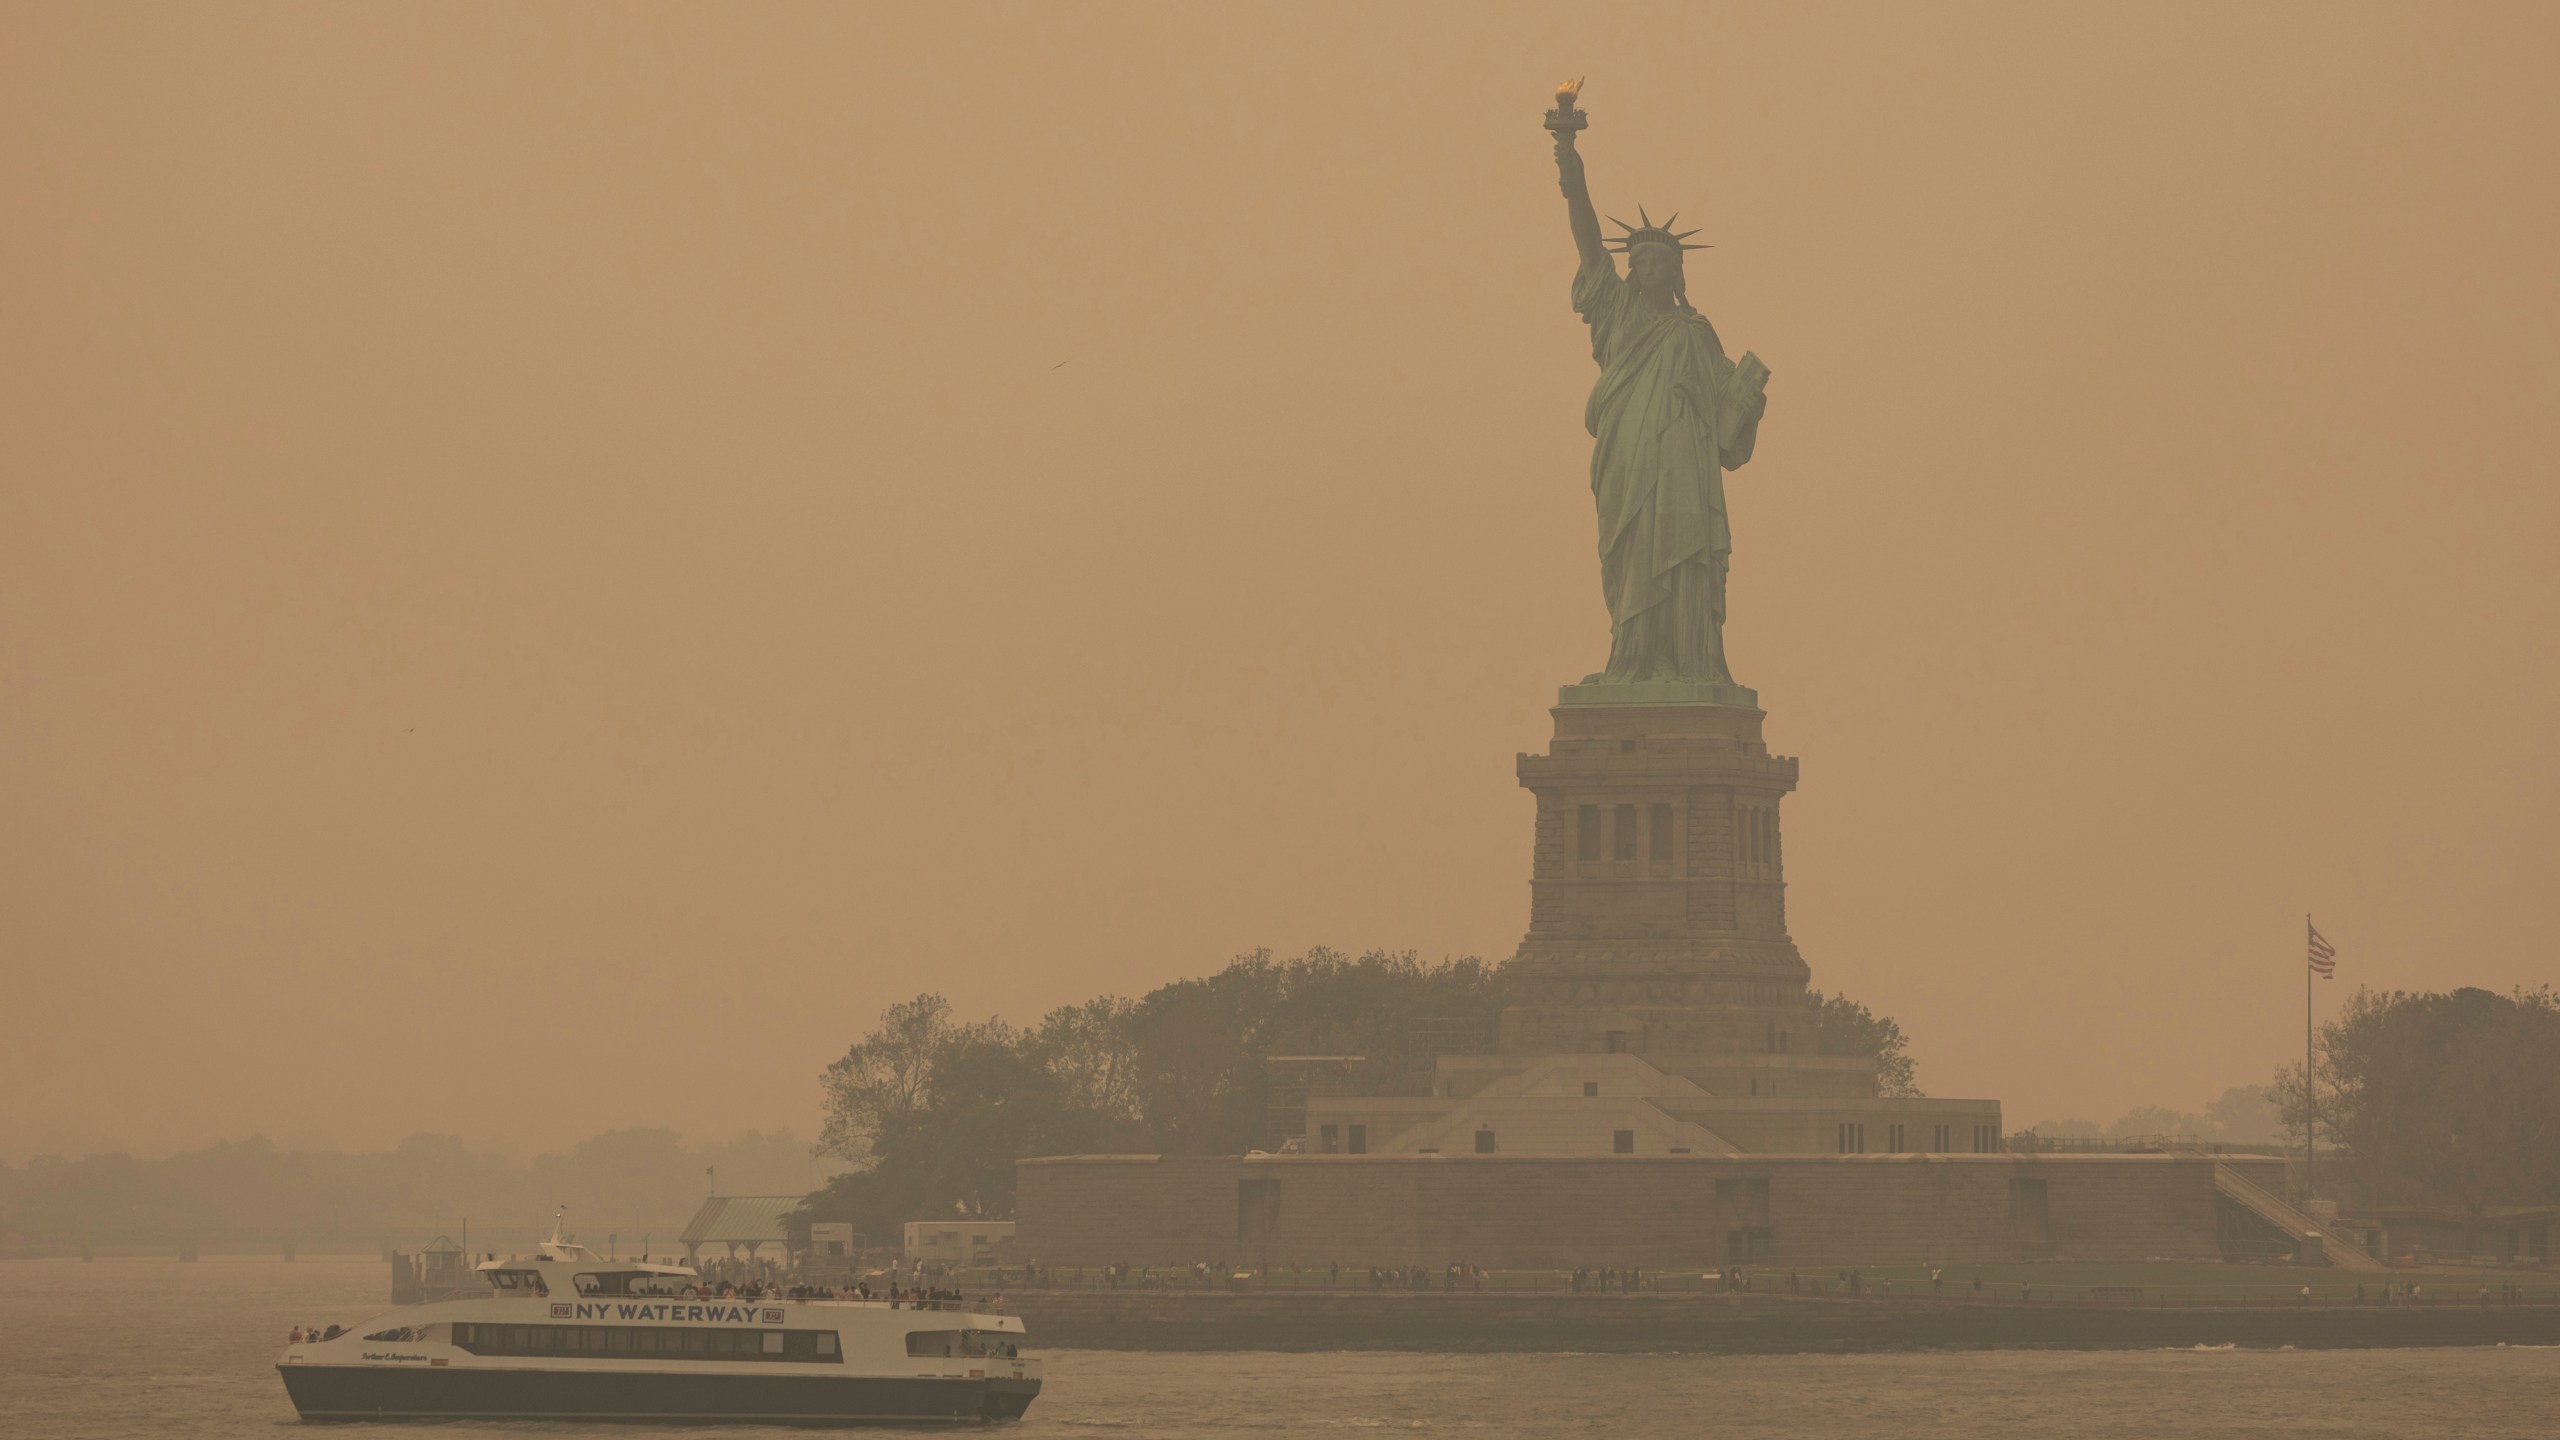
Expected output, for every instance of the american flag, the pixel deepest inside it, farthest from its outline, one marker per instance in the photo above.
(2324, 956)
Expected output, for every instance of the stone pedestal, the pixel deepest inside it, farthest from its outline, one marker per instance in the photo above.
(1657, 914)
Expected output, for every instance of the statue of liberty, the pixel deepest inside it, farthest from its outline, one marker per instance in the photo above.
(1668, 416)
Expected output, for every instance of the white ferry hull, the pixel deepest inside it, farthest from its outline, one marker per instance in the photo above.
(381, 1392)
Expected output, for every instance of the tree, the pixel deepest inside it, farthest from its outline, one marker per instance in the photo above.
(2438, 1098)
(2246, 1114)
(1090, 1051)
(1842, 1026)
(1202, 1045)
(935, 1112)
(881, 1079)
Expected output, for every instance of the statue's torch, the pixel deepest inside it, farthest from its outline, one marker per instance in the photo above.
(1566, 118)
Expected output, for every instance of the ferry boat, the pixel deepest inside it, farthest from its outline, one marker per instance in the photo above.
(569, 1335)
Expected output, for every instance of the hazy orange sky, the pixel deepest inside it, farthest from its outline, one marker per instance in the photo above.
(554, 559)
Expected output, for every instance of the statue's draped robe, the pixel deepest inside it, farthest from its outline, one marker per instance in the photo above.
(1666, 424)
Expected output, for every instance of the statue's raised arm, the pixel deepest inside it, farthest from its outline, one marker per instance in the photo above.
(1564, 122)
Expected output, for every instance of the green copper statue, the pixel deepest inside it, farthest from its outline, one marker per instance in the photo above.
(1669, 416)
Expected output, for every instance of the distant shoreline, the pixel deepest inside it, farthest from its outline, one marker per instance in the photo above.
(1698, 1323)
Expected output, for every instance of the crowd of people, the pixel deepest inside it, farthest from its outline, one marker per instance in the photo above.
(1605, 1279)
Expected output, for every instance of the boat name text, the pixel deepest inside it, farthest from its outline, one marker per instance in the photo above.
(644, 1310)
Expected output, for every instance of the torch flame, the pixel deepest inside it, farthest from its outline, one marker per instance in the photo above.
(1566, 92)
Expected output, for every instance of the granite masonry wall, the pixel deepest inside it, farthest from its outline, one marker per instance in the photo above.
(1651, 1212)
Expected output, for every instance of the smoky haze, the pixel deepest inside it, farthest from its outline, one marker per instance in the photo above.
(553, 560)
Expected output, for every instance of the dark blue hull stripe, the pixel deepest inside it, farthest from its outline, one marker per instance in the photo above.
(383, 1392)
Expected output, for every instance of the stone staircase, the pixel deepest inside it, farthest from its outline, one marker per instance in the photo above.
(2281, 1213)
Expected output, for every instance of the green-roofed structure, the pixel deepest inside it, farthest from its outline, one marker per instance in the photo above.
(730, 1222)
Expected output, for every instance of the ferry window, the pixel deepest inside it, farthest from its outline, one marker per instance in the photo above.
(587, 1284)
(933, 1342)
(625, 1342)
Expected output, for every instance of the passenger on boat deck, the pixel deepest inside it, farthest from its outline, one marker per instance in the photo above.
(297, 1336)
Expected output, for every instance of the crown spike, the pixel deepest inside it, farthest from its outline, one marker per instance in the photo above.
(1647, 219)
(1621, 224)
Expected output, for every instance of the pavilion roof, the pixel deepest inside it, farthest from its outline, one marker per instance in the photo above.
(740, 1220)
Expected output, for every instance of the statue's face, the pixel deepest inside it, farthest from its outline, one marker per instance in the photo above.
(1655, 269)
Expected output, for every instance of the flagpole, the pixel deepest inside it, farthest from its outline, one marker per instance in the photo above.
(2310, 1111)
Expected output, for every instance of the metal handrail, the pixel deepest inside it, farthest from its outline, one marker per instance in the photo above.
(2241, 1187)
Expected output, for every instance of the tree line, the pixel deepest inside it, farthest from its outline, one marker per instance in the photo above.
(253, 1193)
(2244, 1115)
(933, 1110)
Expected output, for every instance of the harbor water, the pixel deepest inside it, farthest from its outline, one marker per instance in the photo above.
(134, 1348)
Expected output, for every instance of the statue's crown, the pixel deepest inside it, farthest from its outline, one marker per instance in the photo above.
(1651, 234)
